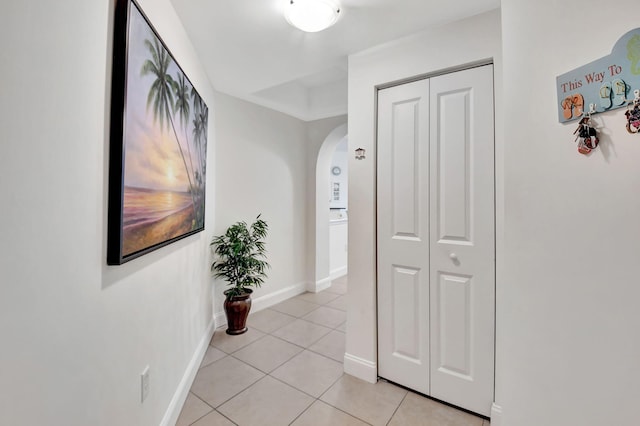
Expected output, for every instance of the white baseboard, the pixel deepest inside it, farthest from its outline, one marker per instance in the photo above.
(496, 415)
(220, 318)
(337, 273)
(263, 302)
(179, 397)
(361, 368)
(320, 285)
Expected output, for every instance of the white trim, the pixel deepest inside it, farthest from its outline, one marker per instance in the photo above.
(179, 397)
(320, 285)
(263, 302)
(496, 415)
(220, 319)
(334, 222)
(360, 368)
(271, 299)
(340, 272)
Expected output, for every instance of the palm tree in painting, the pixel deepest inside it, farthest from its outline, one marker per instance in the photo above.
(182, 107)
(199, 137)
(201, 115)
(161, 96)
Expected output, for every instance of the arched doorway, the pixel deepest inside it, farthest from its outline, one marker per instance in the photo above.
(322, 277)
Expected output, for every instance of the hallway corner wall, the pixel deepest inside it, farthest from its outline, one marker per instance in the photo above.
(468, 41)
(77, 333)
(569, 301)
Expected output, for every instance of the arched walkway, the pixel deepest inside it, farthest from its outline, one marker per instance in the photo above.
(325, 155)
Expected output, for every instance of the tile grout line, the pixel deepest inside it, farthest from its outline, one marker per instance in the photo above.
(268, 374)
(226, 417)
(229, 399)
(337, 408)
(341, 362)
(396, 410)
(276, 367)
(205, 402)
(241, 347)
(317, 353)
(315, 399)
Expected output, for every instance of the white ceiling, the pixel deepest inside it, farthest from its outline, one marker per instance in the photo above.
(251, 52)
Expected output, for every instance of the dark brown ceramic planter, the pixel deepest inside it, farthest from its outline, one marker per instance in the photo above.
(237, 308)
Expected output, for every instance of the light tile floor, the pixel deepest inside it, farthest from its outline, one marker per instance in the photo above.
(287, 370)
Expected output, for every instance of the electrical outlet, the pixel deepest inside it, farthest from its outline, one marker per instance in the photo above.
(144, 384)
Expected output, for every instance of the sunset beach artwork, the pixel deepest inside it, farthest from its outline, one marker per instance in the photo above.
(158, 143)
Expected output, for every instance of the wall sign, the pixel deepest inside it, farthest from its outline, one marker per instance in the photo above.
(605, 84)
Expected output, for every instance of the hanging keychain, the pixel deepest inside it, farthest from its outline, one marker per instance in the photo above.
(587, 136)
(633, 113)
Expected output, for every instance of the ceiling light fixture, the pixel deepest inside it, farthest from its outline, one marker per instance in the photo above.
(311, 15)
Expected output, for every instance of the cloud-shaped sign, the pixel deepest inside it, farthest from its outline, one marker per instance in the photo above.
(605, 84)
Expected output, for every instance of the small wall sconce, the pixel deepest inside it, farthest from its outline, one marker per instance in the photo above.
(360, 154)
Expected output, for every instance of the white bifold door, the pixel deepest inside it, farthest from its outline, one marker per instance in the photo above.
(436, 237)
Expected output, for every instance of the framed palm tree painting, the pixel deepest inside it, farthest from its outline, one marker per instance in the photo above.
(157, 169)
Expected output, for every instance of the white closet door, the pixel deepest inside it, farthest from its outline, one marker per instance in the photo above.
(403, 234)
(462, 239)
(436, 237)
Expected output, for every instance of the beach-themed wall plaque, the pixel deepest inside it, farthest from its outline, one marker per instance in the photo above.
(157, 159)
(604, 84)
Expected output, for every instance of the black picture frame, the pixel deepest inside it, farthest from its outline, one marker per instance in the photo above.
(158, 143)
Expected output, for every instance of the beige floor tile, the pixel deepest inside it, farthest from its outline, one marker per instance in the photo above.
(230, 344)
(331, 345)
(267, 353)
(268, 320)
(220, 380)
(321, 414)
(342, 327)
(320, 298)
(295, 307)
(309, 372)
(373, 403)
(338, 286)
(302, 333)
(341, 280)
(214, 419)
(415, 409)
(212, 355)
(339, 303)
(329, 317)
(269, 402)
(193, 409)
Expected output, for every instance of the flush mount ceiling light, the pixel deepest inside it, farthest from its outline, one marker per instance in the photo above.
(311, 15)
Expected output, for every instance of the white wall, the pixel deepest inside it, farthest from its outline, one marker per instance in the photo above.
(341, 161)
(76, 334)
(338, 247)
(568, 318)
(463, 42)
(260, 168)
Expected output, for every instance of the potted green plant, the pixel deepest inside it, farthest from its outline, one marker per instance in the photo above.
(240, 260)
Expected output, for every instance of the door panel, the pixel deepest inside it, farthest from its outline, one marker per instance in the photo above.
(403, 234)
(454, 325)
(406, 313)
(454, 215)
(462, 258)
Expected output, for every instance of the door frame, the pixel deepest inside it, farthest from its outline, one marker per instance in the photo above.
(411, 79)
